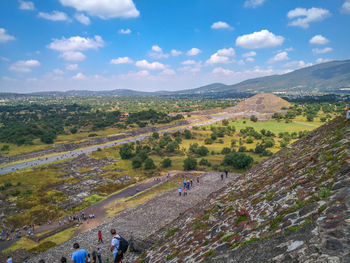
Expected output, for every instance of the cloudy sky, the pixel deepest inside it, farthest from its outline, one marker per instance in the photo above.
(163, 44)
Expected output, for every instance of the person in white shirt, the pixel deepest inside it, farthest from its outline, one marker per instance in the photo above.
(9, 259)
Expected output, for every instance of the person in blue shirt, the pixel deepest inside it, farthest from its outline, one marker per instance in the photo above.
(117, 254)
(79, 255)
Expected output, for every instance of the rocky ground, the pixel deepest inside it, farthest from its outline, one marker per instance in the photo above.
(142, 221)
(294, 207)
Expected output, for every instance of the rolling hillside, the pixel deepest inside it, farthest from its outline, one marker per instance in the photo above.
(326, 77)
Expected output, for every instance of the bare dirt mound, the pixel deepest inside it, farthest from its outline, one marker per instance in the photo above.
(262, 103)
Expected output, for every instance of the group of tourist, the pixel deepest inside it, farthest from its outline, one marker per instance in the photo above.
(188, 184)
(17, 233)
(118, 247)
(82, 217)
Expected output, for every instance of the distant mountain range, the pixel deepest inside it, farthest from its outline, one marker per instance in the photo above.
(329, 77)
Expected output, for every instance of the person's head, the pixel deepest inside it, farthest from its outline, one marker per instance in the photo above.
(41, 261)
(113, 232)
(76, 246)
(99, 231)
(63, 260)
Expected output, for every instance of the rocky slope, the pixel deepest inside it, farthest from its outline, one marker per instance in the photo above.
(294, 207)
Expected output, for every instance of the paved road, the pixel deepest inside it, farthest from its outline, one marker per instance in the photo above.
(87, 150)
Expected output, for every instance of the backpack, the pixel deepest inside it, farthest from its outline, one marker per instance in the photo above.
(123, 244)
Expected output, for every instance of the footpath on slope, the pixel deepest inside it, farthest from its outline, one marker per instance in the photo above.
(140, 222)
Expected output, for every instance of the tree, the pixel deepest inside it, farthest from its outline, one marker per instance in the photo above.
(202, 151)
(249, 140)
(187, 134)
(126, 151)
(149, 164)
(166, 163)
(142, 154)
(136, 162)
(225, 122)
(171, 147)
(155, 135)
(226, 150)
(190, 164)
(213, 136)
(205, 162)
(259, 149)
(74, 130)
(208, 141)
(238, 160)
(253, 118)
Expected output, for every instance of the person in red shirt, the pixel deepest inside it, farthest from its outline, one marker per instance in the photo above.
(100, 240)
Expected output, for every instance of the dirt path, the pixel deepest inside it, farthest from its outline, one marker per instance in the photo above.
(99, 209)
(143, 220)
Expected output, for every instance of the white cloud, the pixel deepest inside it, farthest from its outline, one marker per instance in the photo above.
(322, 60)
(79, 76)
(222, 71)
(124, 31)
(279, 57)
(76, 43)
(121, 60)
(142, 73)
(175, 53)
(322, 51)
(157, 53)
(222, 56)
(4, 37)
(72, 67)
(82, 19)
(54, 16)
(57, 71)
(150, 66)
(297, 64)
(302, 17)
(24, 65)
(241, 62)
(261, 39)
(73, 56)
(250, 59)
(193, 52)
(220, 25)
(168, 72)
(23, 5)
(249, 54)
(189, 62)
(319, 40)
(346, 7)
(104, 9)
(253, 3)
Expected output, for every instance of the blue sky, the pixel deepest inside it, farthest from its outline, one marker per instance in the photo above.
(163, 44)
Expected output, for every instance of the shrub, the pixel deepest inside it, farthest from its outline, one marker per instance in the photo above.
(155, 135)
(126, 151)
(253, 118)
(166, 163)
(242, 149)
(187, 134)
(202, 151)
(190, 164)
(136, 162)
(208, 141)
(205, 162)
(249, 140)
(213, 136)
(149, 164)
(238, 160)
(74, 130)
(225, 150)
